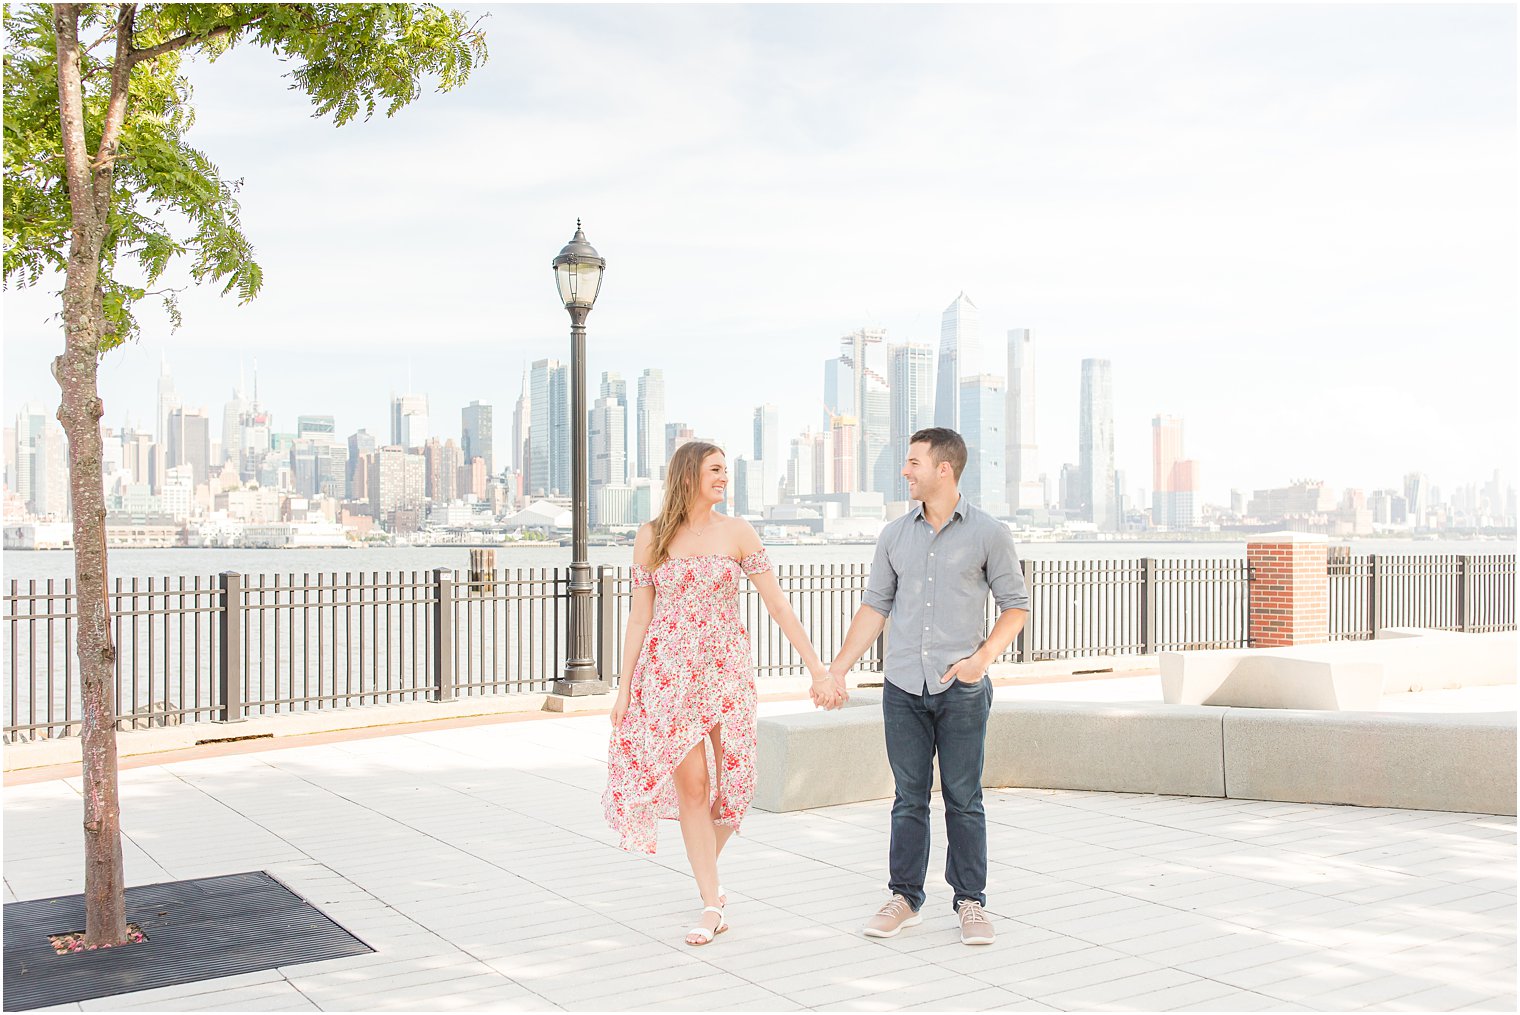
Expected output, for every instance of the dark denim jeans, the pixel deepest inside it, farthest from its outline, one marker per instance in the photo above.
(952, 724)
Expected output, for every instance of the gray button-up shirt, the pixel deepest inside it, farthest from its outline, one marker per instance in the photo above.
(934, 585)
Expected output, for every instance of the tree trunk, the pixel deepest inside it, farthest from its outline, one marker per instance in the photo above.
(80, 412)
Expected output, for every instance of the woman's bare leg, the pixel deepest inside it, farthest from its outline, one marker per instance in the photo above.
(721, 833)
(697, 829)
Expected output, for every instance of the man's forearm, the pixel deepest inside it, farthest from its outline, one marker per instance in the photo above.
(1007, 628)
(864, 629)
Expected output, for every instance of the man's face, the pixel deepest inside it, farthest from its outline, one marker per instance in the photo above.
(923, 473)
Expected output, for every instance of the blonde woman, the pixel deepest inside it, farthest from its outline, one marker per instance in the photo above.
(683, 738)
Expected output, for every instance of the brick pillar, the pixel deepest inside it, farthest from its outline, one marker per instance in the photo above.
(1290, 589)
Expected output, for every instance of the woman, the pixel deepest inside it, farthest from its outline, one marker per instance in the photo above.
(683, 737)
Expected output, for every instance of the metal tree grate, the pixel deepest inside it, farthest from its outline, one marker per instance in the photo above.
(197, 930)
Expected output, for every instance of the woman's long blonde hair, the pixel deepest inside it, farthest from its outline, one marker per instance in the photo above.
(682, 479)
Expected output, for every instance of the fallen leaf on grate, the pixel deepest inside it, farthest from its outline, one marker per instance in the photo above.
(73, 941)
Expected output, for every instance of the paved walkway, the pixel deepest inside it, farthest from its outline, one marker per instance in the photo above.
(476, 862)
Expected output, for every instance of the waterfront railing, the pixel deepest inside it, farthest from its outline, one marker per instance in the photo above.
(229, 647)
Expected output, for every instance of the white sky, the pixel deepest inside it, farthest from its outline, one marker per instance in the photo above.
(1294, 226)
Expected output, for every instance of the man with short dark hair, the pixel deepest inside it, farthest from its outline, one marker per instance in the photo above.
(933, 570)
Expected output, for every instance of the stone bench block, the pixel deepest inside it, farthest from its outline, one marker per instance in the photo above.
(1331, 677)
(1114, 748)
(1416, 659)
(816, 759)
(1445, 762)
(1348, 676)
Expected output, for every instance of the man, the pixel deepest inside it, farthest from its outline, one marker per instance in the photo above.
(933, 569)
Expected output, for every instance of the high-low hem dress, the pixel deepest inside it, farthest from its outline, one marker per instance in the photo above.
(693, 673)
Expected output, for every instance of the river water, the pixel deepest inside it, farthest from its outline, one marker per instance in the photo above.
(23, 565)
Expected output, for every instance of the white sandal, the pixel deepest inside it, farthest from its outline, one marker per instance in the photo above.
(722, 896)
(706, 934)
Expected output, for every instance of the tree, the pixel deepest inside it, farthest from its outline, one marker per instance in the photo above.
(102, 186)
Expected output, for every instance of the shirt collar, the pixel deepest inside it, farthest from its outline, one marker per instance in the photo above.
(959, 512)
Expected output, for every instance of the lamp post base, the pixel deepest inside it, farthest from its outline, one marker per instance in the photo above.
(580, 680)
(574, 696)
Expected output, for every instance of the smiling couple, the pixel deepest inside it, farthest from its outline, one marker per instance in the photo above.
(682, 744)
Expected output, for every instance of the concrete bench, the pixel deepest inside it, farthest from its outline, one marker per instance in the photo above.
(1339, 676)
(1442, 762)
(821, 758)
(1450, 762)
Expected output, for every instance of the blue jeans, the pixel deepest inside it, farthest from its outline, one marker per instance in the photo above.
(953, 724)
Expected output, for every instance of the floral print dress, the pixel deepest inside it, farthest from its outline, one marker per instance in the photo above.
(694, 672)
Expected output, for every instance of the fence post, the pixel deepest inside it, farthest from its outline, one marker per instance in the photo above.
(1021, 649)
(1372, 595)
(1147, 605)
(443, 634)
(607, 625)
(1464, 593)
(230, 661)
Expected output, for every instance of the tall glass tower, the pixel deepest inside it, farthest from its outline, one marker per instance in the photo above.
(1025, 491)
(911, 381)
(549, 435)
(960, 339)
(651, 459)
(983, 411)
(1098, 498)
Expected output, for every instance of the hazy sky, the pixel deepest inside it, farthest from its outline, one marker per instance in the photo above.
(1294, 226)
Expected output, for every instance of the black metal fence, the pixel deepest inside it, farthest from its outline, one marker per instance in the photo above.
(1449, 592)
(232, 646)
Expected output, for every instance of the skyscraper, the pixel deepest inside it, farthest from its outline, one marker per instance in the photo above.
(29, 467)
(801, 478)
(168, 401)
(441, 460)
(864, 354)
(522, 424)
(360, 445)
(764, 472)
(1417, 497)
(651, 425)
(232, 426)
(1026, 491)
(838, 390)
(607, 445)
(549, 436)
(983, 413)
(190, 442)
(676, 434)
(911, 405)
(475, 438)
(409, 421)
(846, 441)
(317, 429)
(1174, 479)
(960, 339)
(1098, 498)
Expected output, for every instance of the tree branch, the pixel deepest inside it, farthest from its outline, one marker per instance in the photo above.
(181, 41)
(112, 31)
(116, 109)
(76, 155)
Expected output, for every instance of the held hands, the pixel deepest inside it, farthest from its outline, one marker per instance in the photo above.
(828, 691)
(969, 670)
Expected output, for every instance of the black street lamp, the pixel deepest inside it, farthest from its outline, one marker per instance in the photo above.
(578, 272)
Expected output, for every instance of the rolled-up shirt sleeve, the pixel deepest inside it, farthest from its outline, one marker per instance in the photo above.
(1004, 576)
(881, 587)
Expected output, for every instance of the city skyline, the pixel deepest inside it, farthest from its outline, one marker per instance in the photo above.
(1311, 200)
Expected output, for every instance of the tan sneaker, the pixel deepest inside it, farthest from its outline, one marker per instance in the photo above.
(891, 918)
(976, 928)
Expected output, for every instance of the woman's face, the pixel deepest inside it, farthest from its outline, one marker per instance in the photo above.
(712, 480)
